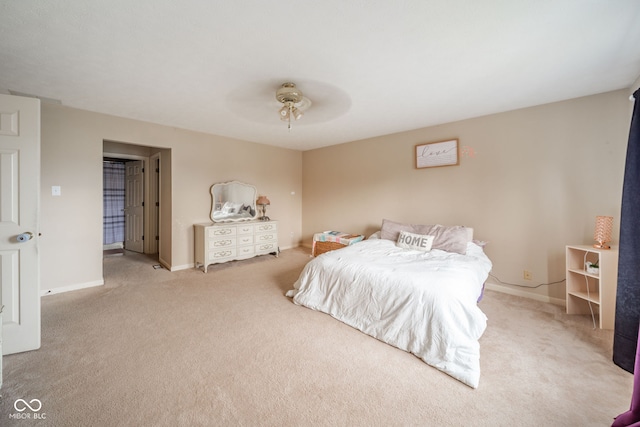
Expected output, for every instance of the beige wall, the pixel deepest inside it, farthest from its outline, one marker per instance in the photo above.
(71, 225)
(529, 181)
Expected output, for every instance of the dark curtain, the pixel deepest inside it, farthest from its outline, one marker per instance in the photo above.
(631, 418)
(113, 177)
(628, 294)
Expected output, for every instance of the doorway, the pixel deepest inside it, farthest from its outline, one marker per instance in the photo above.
(131, 199)
(123, 206)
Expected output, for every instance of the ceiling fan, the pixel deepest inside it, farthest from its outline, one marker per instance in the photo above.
(294, 103)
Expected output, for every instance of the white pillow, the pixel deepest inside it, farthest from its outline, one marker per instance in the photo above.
(420, 242)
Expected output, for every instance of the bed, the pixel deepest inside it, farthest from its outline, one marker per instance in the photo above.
(420, 301)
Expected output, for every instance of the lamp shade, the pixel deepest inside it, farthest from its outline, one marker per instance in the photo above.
(284, 113)
(297, 114)
(602, 233)
(262, 200)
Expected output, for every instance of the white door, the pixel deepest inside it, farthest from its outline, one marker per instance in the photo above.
(19, 222)
(134, 206)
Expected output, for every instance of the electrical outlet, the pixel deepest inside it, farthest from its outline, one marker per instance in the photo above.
(527, 275)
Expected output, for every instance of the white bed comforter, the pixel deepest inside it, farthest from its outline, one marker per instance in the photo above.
(421, 302)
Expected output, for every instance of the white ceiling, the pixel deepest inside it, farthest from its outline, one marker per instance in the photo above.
(370, 67)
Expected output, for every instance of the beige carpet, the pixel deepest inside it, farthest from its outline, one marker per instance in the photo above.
(155, 348)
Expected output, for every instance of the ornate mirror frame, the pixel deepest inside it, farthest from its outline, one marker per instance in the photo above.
(233, 201)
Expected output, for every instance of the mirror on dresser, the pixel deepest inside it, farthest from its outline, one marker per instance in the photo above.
(233, 201)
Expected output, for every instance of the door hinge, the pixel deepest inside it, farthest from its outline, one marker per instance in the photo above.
(157, 237)
(143, 204)
(157, 203)
(143, 237)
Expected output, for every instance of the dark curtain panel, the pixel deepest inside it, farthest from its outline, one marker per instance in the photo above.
(628, 295)
(113, 175)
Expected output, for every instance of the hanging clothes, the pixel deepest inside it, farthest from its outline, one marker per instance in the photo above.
(113, 217)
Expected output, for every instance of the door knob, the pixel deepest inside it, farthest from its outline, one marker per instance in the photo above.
(24, 237)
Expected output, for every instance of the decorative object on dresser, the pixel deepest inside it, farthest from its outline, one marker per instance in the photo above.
(591, 290)
(332, 240)
(602, 233)
(263, 201)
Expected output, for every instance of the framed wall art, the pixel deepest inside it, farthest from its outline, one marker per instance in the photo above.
(434, 154)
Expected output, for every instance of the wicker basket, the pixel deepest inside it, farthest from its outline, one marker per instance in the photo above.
(322, 247)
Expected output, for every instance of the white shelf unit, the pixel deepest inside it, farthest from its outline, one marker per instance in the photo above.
(587, 292)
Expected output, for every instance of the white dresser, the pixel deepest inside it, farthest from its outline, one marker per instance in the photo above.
(222, 242)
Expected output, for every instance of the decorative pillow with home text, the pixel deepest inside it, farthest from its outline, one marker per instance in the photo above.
(420, 242)
(450, 239)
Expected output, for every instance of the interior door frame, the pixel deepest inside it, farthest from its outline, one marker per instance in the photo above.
(148, 219)
(154, 203)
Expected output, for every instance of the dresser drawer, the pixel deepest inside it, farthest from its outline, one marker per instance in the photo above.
(215, 232)
(266, 226)
(244, 240)
(246, 251)
(222, 242)
(222, 254)
(245, 229)
(266, 247)
(266, 237)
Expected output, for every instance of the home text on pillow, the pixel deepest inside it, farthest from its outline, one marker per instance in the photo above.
(414, 241)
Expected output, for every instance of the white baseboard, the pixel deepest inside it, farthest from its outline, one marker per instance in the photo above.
(117, 245)
(62, 289)
(180, 267)
(284, 248)
(520, 293)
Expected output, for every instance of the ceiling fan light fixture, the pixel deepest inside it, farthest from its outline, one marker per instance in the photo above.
(289, 95)
(288, 92)
(297, 114)
(284, 113)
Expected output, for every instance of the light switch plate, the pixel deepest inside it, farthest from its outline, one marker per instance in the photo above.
(55, 190)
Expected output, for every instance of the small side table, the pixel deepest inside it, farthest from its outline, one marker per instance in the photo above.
(332, 240)
(592, 291)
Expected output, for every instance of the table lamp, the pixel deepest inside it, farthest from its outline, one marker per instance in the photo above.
(602, 235)
(263, 201)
